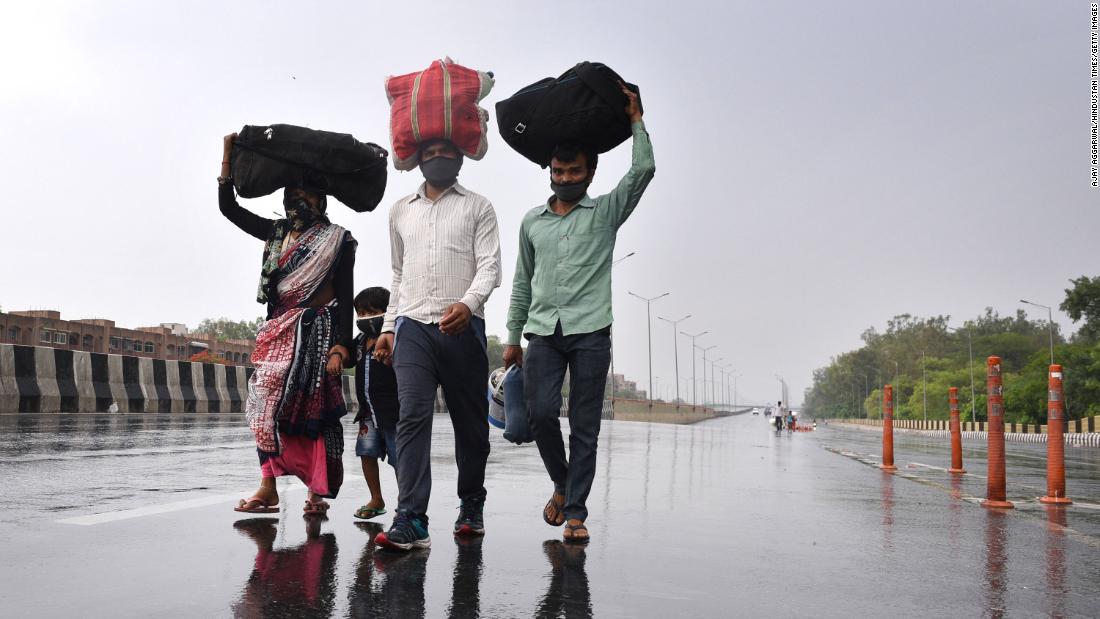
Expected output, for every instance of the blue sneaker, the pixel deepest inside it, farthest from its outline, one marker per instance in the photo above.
(470, 517)
(406, 532)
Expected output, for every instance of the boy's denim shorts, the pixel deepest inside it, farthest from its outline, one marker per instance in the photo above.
(375, 443)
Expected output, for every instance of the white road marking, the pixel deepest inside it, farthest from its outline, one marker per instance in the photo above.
(149, 510)
(292, 486)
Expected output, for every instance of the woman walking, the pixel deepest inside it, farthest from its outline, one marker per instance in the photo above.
(295, 399)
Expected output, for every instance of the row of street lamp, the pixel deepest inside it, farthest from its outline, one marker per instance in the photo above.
(726, 371)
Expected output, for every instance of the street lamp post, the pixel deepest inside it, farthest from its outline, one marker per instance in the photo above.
(783, 393)
(694, 399)
(924, 385)
(611, 339)
(676, 350)
(970, 351)
(713, 383)
(865, 393)
(649, 334)
(897, 386)
(1050, 324)
(727, 371)
(705, 351)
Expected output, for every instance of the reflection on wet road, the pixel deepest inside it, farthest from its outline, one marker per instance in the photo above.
(131, 516)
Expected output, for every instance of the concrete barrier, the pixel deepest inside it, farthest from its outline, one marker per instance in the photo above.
(1080, 439)
(660, 412)
(51, 380)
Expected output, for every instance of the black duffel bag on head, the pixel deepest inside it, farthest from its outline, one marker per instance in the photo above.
(584, 106)
(269, 157)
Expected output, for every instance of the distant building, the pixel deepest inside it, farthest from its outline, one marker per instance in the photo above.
(166, 341)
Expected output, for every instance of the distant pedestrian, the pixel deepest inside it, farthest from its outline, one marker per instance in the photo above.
(295, 397)
(445, 251)
(561, 302)
(376, 390)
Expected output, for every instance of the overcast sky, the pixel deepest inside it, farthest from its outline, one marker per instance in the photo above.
(819, 168)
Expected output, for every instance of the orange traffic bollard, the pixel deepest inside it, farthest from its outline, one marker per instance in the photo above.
(995, 412)
(888, 429)
(956, 433)
(1056, 443)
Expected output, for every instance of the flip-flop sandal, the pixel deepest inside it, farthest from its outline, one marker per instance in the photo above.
(570, 533)
(320, 508)
(556, 518)
(261, 506)
(366, 513)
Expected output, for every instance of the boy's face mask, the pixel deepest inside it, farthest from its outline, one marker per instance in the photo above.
(371, 326)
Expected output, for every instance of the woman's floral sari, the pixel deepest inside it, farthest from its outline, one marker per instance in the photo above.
(290, 393)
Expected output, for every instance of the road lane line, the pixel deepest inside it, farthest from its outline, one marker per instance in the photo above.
(148, 510)
(175, 506)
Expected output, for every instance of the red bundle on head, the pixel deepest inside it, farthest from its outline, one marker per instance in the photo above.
(440, 102)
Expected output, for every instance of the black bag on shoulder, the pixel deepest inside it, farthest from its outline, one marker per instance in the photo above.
(585, 106)
(270, 157)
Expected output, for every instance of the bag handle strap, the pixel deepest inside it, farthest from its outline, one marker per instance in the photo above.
(607, 91)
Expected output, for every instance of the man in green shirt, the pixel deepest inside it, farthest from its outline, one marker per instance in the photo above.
(561, 302)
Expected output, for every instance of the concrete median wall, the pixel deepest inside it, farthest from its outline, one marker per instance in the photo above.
(1081, 432)
(52, 380)
(660, 412)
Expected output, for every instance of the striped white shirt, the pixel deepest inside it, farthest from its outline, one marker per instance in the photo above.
(442, 252)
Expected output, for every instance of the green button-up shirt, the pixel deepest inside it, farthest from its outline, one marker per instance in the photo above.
(563, 272)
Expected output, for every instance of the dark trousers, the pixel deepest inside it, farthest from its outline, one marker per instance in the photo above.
(587, 356)
(424, 359)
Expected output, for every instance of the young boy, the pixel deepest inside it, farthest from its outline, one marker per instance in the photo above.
(376, 389)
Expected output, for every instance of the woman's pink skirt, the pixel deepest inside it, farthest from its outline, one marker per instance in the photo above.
(302, 457)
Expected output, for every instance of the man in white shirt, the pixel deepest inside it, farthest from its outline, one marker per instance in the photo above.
(445, 252)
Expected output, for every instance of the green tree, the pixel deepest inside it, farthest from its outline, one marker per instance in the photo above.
(1083, 303)
(895, 356)
(494, 348)
(224, 329)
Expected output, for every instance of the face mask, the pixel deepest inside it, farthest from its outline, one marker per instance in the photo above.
(371, 327)
(441, 171)
(301, 214)
(569, 192)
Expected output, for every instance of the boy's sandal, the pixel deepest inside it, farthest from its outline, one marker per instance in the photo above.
(552, 513)
(571, 531)
(315, 509)
(366, 513)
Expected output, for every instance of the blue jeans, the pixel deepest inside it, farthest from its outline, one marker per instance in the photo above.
(425, 359)
(376, 443)
(587, 355)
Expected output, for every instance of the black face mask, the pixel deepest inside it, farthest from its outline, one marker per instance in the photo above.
(371, 327)
(299, 213)
(441, 171)
(569, 192)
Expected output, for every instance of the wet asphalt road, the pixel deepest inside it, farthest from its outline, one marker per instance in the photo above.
(128, 516)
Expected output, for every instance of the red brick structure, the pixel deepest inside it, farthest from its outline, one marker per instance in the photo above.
(167, 341)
